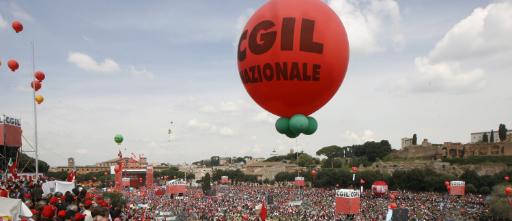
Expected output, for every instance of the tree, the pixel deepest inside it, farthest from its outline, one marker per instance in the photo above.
(485, 138)
(502, 132)
(470, 188)
(330, 151)
(305, 160)
(491, 138)
(414, 139)
(205, 183)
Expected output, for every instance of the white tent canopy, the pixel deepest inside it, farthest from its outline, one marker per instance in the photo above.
(13, 208)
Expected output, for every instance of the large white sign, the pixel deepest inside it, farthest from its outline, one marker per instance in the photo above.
(10, 121)
(348, 193)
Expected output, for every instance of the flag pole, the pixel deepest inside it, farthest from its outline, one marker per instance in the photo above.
(35, 112)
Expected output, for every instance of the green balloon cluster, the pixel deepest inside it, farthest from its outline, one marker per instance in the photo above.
(118, 138)
(293, 127)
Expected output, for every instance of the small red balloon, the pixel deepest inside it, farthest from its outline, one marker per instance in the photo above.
(13, 65)
(36, 85)
(292, 56)
(39, 75)
(508, 190)
(17, 26)
(507, 178)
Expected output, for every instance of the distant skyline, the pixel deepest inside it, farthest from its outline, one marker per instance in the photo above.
(440, 69)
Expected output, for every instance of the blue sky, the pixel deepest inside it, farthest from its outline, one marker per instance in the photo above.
(436, 68)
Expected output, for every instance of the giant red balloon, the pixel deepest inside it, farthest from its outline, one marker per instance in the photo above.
(36, 85)
(17, 26)
(39, 75)
(292, 56)
(13, 65)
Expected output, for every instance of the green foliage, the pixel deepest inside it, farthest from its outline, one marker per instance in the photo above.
(481, 159)
(235, 175)
(470, 188)
(289, 157)
(57, 175)
(330, 151)
(418, 180)
(414, 139)
(285, 177)
(172, 172)
(305, 160)
(28, 164)
(485, 138)
(372, 150)
(205, 183)
(502, 132)
(484, 190)
(499, 207)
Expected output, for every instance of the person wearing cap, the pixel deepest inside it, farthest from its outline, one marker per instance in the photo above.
(87, 211)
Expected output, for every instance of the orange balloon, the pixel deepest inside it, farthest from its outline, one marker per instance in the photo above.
(292, 56)
(39, 99)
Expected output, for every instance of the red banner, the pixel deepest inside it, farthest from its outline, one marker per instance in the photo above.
(299, 181)
(10, 135)
(149, 177)
(348, 201)
(457, 188)
(176, 187)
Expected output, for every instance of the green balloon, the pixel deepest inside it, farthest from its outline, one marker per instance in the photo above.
(282, 125)
(312, 126)
(298, 123)
(118, 138)
(292, 134)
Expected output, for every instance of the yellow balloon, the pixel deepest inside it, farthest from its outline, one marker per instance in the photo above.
(39, 99)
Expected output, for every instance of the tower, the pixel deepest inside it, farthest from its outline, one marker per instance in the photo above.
(71, 162)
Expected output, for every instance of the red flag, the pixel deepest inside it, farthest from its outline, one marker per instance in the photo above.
(263, 212)
(71, 176)
(12, 168)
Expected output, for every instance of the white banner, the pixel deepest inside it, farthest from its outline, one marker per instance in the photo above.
(457, 183)
(348, 193)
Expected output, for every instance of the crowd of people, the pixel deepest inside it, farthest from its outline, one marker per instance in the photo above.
(235, 202)
(242, 202)
(76, 205)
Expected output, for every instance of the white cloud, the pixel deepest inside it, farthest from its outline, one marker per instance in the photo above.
(142, 73)
(459, 61)
(370, 25)
(209, 128)
(208, 109)
(82, 151)
(20, 13)
(354, 137)
(264, 116)
(240, 24)
(3, 23)
(87, 63)
(194, 123)
(226, 131)
(225, 107)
